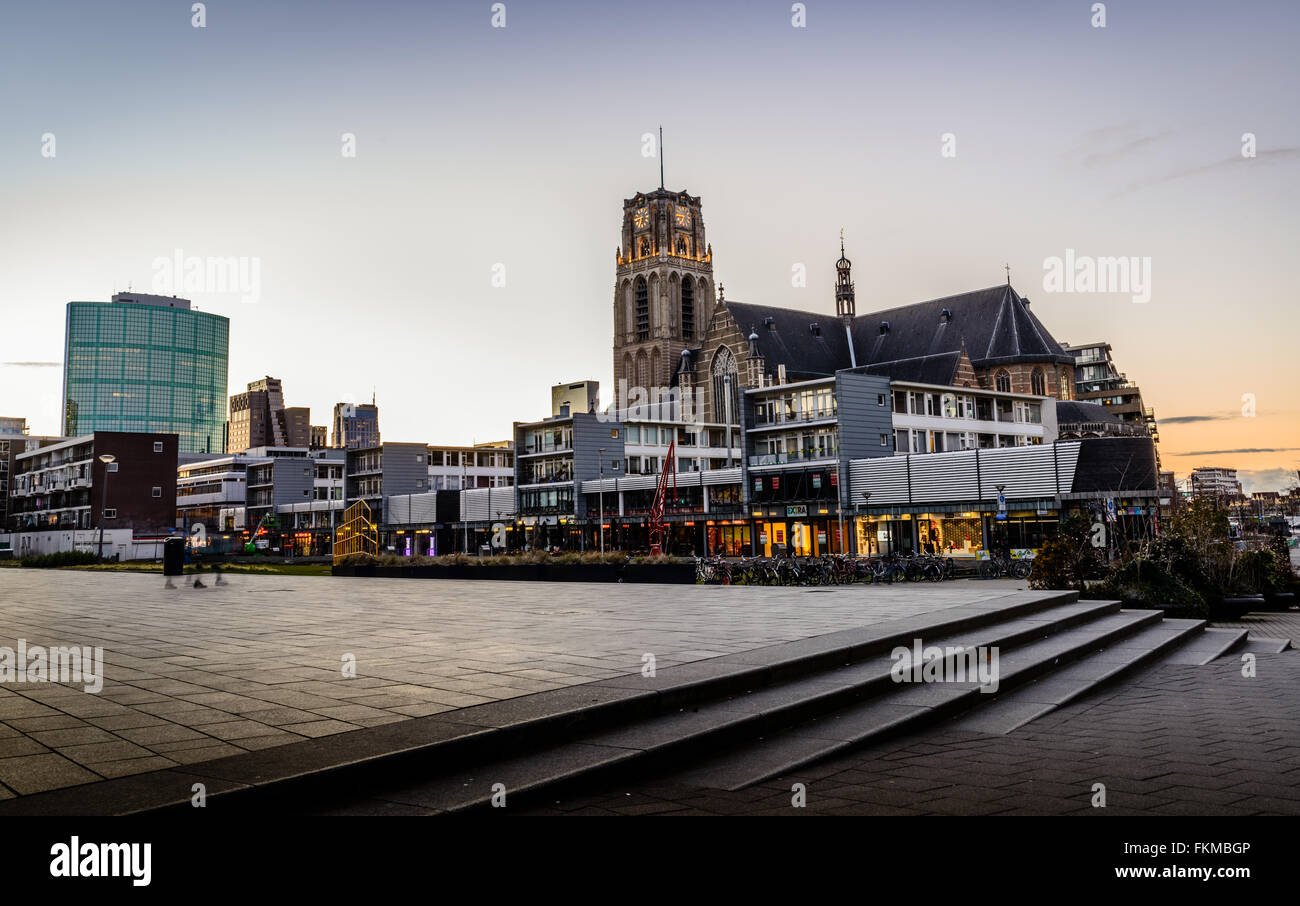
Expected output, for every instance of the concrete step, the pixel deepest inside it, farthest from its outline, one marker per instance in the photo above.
(740, 716)
(1163, 642)
(1210, 645)
(908, 706)
(1265, 646)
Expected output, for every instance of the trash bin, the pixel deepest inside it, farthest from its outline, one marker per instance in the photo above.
(173, 556)
(485, 550)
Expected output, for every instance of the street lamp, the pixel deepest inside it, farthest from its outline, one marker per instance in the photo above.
(1001, 511)
(105, 458)
(866, 495)
(600, 519)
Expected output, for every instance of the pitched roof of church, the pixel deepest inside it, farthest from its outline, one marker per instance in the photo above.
(995, 324)
(786, 337)
(922, 343)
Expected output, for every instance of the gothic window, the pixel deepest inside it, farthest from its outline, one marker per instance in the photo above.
(681, 246)
(1064, 383)
(642, 370)
(1039, 382)
(726, 386)
(1002, 381)
(642, 311)
(688, 309)
(644, 248)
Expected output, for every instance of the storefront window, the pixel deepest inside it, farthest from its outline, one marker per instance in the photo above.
(952, 536)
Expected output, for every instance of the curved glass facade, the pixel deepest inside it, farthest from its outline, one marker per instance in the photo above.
(153, 367)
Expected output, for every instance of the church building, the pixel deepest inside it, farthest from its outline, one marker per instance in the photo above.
(674, 327)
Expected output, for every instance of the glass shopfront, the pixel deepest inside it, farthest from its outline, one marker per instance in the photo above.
(728, 539)
(954, 535)
(798, 537)
(1022, 530)
(880, 536)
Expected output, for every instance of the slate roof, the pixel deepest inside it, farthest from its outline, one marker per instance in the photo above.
(1071, 413)
(789, 340)
(995, 324)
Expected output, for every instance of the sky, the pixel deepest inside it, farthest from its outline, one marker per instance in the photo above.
(947, 139)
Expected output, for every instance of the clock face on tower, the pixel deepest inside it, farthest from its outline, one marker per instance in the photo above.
(682, 216)
(641, 218)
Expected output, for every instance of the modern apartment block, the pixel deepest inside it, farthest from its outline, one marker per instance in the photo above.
(799, 439)
(10, 425)
(1216, 484)
(551, 456)
(296, 495)
(62, 485)
(145, 363)
(1097, 380)
(487, 465)
(356, 425)
(310, 523)
(258, 418)
(213, 492)
(11, 446)
(375, 474)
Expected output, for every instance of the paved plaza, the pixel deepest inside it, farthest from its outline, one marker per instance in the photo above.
(198, 674)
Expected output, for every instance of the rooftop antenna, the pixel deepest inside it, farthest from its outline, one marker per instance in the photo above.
(661, 157)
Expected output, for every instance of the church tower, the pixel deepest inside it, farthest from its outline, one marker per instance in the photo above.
(845, 306)
(663, 289)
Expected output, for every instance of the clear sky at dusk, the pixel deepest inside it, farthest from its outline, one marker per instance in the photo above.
(478, 146)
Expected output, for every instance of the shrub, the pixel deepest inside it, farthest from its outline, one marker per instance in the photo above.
(1068, 559)
(62, 558)
(1149, 584)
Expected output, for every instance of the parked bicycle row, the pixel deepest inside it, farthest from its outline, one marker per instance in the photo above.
(839, 569)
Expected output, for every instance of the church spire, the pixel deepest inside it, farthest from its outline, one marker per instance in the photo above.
(661, 158)
(845, 305)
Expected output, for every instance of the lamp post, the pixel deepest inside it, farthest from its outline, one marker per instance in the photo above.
(106, 459)
(1002, 505)
(839, 507)
(866, 495)
(600, 518)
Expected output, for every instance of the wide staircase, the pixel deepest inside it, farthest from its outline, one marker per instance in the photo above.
(737, 720)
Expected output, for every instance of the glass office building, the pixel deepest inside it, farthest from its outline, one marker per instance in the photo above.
(146, 363)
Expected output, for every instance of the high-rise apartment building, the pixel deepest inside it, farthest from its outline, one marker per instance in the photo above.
(356, 425)
(258, 418)
(147, 364)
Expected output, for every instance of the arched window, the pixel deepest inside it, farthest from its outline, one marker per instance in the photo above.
(1039, 382)
(642, 311)
(1002, 381)
(681, 246)
(644, 248)
(1065, 387)
(688, 309)
(726, 390)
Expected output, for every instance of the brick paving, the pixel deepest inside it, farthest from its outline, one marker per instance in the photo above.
(1174, 740)
(193, 675)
